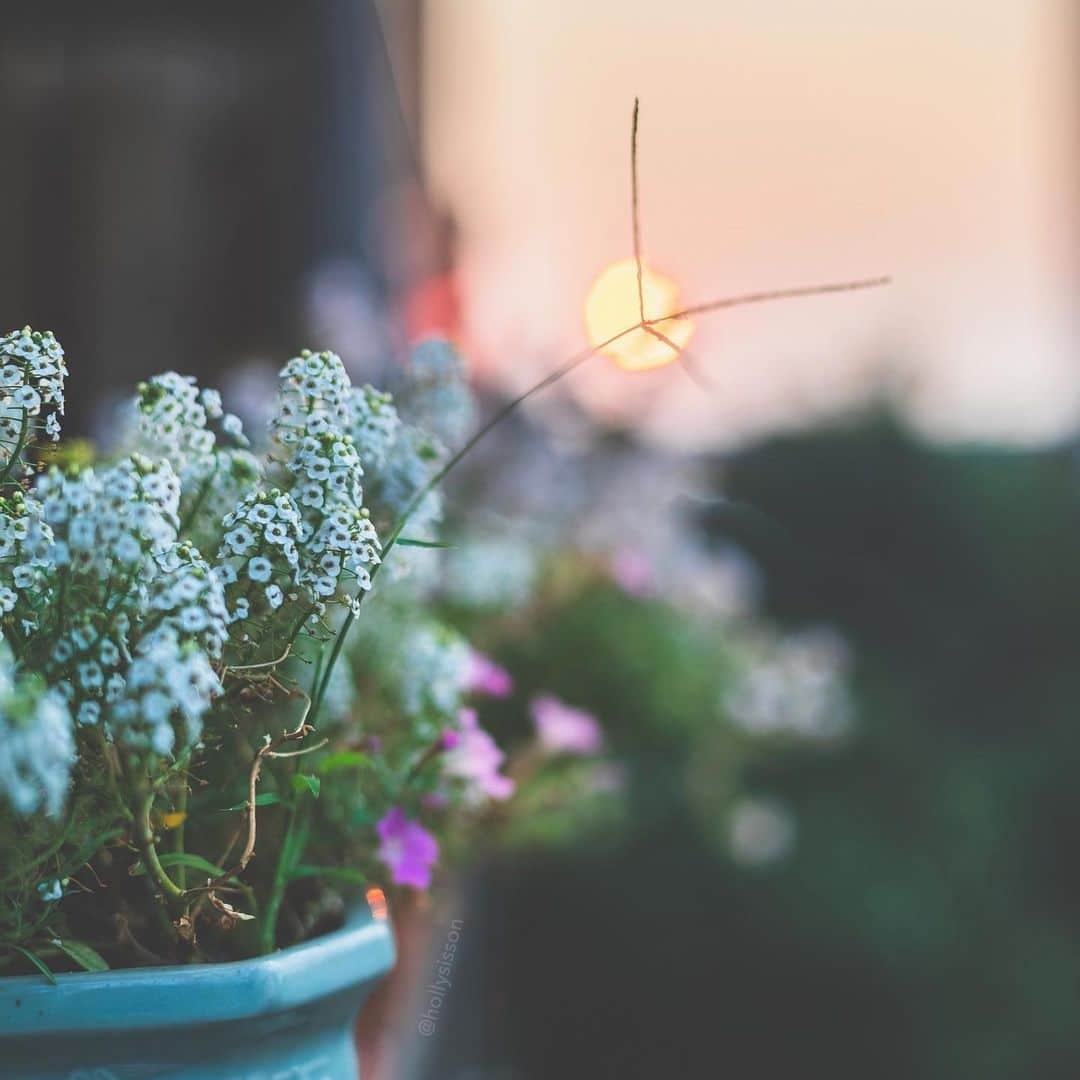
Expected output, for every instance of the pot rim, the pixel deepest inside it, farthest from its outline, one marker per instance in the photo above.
(184, 995)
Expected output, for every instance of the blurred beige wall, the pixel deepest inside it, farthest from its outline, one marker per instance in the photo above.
(782, 143)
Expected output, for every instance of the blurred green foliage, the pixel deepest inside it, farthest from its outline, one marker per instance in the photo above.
(941, 838)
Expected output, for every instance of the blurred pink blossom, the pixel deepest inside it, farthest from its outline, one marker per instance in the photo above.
(632, 572)
(407, 850)
(564, 729)
(486, 678)
(476, 759)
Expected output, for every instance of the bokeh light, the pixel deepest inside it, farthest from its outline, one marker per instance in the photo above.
(612, 305)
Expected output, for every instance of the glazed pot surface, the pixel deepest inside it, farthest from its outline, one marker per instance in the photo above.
(288, 1016)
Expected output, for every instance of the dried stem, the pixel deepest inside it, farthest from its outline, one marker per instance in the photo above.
(231, 669)
(268, 749)
(635, 216)
(771, 294)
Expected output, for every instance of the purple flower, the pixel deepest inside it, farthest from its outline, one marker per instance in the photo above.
(407, 850)
(563, 729)
(486, 678)
(476, 760)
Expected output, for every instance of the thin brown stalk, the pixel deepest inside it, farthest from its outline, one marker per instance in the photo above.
(772, 294)
(634, 213)
(268, 749)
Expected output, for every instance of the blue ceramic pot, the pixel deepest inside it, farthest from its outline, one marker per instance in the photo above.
(288, 1016)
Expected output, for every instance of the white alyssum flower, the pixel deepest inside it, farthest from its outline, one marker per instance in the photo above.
(109, 529)
(259, 558)
(326, 473)
(25, 555)
(314, 396)
(32, 374)
(169, 687)
(108, 521)
(339, 540)
(374, 425)
(188, 595)
(37, 744)
(50, 890)
(173, 421)
(338, 546)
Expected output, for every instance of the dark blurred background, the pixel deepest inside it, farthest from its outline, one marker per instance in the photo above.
(183, 183)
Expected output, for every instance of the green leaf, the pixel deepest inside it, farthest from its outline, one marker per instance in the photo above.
(267, 798)
(36, 961)
(343, 759)
(87, 958)
(302, 782)
(345, 874)
(408, 541)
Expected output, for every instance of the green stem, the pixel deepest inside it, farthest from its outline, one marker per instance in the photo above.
(320, 684)
(172, 892)
(295, 633)
(200, 498)
(178, 832)
(292, 847)
(110, 764)
(268, 922)
(61, 598)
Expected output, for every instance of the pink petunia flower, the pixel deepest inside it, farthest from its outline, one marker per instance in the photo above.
(407, 850)
(476, 759)
(563, 729)
(486, 678)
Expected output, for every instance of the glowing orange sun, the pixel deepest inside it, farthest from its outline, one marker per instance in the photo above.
(612, 306)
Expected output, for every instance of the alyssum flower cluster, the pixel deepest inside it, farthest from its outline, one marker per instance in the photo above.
(185, 770)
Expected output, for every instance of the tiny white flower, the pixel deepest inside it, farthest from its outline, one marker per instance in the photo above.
(259, 568)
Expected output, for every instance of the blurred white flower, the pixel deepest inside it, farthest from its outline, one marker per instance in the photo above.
(490, 572)
(796, 685)
(761, 831)
(37, 743)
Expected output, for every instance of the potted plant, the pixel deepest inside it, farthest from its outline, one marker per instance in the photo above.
(191, 778)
